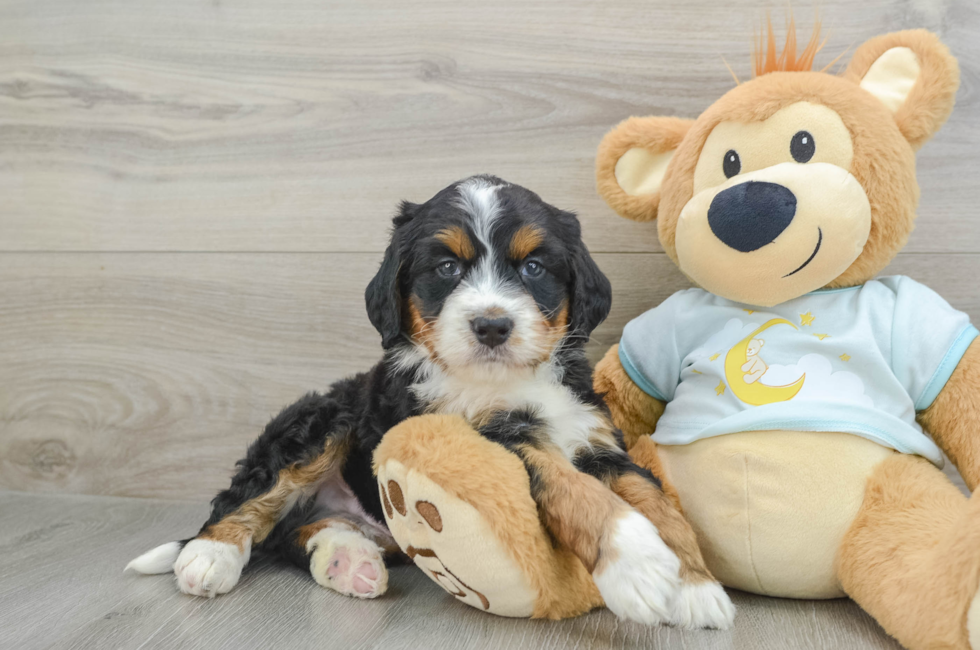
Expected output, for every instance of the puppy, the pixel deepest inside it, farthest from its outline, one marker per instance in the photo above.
(484, 301)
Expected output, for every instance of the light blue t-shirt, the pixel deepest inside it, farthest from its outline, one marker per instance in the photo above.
(858, 360)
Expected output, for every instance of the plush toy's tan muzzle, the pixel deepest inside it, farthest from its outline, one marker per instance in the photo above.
(773, 234)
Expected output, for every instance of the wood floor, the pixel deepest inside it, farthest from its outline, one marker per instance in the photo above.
(63, 587)
(193, 195)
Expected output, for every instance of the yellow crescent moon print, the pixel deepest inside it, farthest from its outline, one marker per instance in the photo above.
(757, 393)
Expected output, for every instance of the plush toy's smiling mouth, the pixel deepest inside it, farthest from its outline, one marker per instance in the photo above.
(733, 251)
(812, 255)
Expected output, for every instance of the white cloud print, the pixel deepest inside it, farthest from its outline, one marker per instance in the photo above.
(821, 383)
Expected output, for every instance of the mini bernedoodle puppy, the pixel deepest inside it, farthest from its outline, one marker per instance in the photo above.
(484, 301)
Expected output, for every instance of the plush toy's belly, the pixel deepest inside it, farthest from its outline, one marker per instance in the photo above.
(771, 507)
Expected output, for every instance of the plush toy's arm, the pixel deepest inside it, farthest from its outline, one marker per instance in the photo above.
(953, 419)
(634, 412)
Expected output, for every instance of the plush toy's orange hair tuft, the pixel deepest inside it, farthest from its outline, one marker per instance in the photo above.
(764, 51)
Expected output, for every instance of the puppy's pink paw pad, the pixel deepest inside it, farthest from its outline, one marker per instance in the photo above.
(364, 580)
(339, 563)
(368, 571)
(348, 563)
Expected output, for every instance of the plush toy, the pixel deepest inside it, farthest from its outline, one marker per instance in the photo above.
(797, 405)
(460, 507)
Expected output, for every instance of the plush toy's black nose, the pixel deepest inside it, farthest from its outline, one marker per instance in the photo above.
(491, 332)
(750, 215)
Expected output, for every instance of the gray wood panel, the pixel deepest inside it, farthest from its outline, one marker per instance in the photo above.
(62, 587)
(192, 198)
(241, 125)
(139, 374)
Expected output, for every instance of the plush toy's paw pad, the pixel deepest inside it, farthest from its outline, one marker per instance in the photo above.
(637, 573)
(452, 542)
(208, 568)
(348, 563)
(703, 604)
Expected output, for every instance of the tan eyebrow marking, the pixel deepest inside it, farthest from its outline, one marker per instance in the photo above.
(456, 239)
(525, 241)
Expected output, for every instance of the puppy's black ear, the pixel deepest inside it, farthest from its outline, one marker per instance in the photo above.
(383, 294)
(591, 293)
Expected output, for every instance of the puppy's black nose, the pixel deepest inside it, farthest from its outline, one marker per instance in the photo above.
(750, 215)
(491, 332)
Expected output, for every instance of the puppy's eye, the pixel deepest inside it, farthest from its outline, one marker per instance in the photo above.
(732, 164)
(802, 146)
(448, 269)
(532, 269)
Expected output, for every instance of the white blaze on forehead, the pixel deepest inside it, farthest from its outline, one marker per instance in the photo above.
(478, 198)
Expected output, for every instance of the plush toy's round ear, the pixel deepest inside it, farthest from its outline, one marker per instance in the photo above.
(632, 161)
(914, 75)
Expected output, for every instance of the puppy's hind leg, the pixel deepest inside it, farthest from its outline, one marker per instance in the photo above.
(342, 547)
(284, 465)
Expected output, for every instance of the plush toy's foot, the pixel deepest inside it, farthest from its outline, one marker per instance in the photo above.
(348, 563)
(912, 556)
(460, 506)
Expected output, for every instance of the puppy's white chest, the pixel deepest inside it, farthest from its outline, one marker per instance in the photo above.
(570, 423)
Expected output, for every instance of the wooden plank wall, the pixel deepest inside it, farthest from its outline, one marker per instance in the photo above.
(194, 194)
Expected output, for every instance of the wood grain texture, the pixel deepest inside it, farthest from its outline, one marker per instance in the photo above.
(63, 587)
(138, 374)
(233, 125)
(193, 196)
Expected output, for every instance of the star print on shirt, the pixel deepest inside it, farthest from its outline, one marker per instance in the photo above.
(714, 356)
(720, 388)
(806, 319)
(845, 357)
(822, 336)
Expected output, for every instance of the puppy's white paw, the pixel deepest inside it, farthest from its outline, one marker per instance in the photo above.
(637, 573)
(704, 604)
(347, 562)
(208, 568)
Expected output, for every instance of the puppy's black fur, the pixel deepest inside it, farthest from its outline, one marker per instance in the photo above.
(360, 409)
(480, 250)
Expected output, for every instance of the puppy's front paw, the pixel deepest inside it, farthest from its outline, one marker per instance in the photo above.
(208, 568)
(703, 604)
(348, 563)
(637, 573)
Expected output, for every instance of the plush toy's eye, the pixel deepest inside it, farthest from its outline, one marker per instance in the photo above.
(802, 146)
(732, 164)
(448, 269)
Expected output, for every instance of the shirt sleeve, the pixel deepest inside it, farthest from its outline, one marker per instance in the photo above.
(929, 338)
(649, 350)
